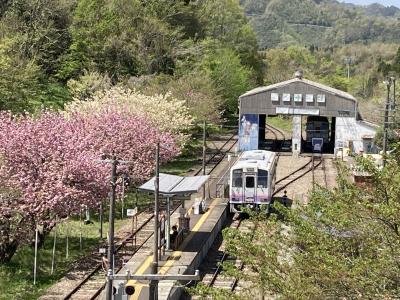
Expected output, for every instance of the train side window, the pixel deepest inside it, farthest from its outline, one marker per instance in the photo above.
(262, 181)
(250, 182)
(237, 178)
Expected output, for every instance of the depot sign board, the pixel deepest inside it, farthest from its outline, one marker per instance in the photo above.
(297, 111)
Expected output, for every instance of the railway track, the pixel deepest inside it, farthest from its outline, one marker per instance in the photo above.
(213, 266)
(320, 161)
(279, 137)
(279, 142)
(93, 284)
(90, 283)
(217, 156)
(310, 166)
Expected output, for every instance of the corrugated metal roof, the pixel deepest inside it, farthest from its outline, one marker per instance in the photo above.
(349, 129)
(174, 185)
(309, 82)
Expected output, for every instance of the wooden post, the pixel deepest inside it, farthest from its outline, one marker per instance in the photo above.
(36, 253)
(54, 251)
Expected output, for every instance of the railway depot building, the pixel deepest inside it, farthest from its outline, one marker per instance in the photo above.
(331, 117)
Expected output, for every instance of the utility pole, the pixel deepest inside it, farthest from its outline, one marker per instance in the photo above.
(110, 255)
(122, 197)
(204, 157)
(386, 119)
(394, 92)
(101, 219)
(393, 102)
(153, 291)
(348, 61)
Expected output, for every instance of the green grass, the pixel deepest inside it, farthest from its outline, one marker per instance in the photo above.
(281, 122)
(190, 159)
(16, 277)
(181, 166)
(187, 161)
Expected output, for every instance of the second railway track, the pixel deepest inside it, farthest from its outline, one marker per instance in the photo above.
(92, 283)
(87, 279)
(218, 155)
(212, 268)
(300, 172)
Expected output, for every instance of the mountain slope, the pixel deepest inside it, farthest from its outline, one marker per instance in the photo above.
(322, 23)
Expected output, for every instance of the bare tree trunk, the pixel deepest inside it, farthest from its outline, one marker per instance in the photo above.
(7, 250)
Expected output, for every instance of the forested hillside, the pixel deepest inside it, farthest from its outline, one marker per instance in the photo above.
(322, 23)
(54, 50)
(356, 68)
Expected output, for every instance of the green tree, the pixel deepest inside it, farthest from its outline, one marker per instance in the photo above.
(41, 28)
(230, 77)
(120, 38)
(20, 87)
(396, 63)
(344, 244)
(224, 21)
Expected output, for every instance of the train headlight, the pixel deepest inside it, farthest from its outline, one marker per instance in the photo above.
(129, 290)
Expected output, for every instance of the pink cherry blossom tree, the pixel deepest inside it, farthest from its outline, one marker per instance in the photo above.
(49, 166)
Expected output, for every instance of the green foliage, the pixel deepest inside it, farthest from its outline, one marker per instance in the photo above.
(16, 277)
(281, 122)
(20, 87)
(343, 244)
(385, 68)
(369, 64)
(231, 79)
(281, 23)
(224, 21)
(392, 135)
(40, 29)
(66, 47)
(196, 88)
(88, 84)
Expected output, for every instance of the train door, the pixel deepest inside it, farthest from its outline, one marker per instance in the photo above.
(250, 187)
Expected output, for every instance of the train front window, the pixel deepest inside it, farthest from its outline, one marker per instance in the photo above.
(262, 181)
(250, 181)
(237, 178)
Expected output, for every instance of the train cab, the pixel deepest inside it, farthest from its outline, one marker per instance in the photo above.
(252, 180)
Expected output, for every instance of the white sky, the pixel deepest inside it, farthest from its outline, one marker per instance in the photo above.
(365, 2)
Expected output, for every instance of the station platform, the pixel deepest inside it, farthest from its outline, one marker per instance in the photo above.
(185, 260)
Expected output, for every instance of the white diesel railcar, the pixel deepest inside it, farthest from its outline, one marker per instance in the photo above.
(252, 180)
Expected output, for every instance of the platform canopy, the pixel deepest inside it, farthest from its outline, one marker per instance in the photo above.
(175, 185)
